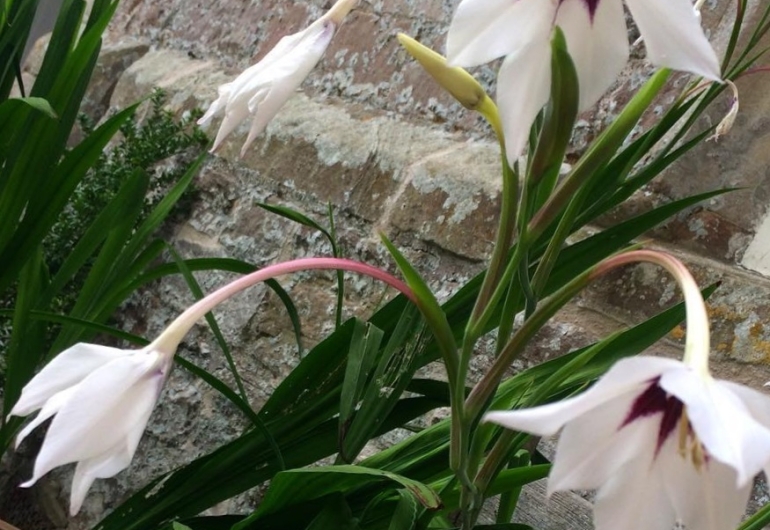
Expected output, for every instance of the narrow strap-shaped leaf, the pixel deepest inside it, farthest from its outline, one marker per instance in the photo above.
(98, 279)
(25, 348)
(219, 385)
(9, 108)
(197, 293)
(131, 192)
(297, 486)
(364, 345)
(431, 310)
(395, 368)
(43, 214)
(291, 310)
(243, 402)
(335, 515)
(405, 514)
(293, 215)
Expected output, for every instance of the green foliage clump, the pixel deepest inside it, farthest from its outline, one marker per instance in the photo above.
(161, 145)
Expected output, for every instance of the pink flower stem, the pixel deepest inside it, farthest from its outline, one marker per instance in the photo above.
(697, 344)
(172, 336)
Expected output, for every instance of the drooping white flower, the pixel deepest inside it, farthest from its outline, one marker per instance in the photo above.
(661, 439)
(100, 399)
(262, 89)
(661, 443)
(597, 39)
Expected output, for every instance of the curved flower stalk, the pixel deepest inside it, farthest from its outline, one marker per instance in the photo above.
(662, 440)
(597, 39)
(101, 398)
(262, 89)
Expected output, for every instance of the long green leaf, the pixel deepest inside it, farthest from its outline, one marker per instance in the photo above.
(43, 214)
(235, 467)
(295, 487)
(405, 514)
(97, 281)
(395, 368)
(130, 193)
(25, 348)
(364, 345)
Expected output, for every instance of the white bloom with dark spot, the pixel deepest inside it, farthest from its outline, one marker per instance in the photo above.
(660, 442)
(597, 39)
(661, 439)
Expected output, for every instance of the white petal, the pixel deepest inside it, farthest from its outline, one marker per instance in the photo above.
(51, 407)
(66, 369)
(483, 30)
(263, 113)
(704, 498)
(81, 483)
(634, 499)
(627, 375)
(722, 422)
(217, 106)
(109, 407)
(236, 111)
(757, 403)
(594, 446)
(598, 45)
(107, 465)
(278, 74)
(523, 87)
(284, 77)
(673, 36)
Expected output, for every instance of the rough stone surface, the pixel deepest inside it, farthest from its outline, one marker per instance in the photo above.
(365, 65)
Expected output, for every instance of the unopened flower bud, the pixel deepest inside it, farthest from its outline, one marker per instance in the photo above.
(455, 80)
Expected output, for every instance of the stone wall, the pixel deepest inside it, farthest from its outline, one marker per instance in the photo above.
(373, 137)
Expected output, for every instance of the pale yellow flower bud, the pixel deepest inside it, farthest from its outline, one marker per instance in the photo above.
(454, 80)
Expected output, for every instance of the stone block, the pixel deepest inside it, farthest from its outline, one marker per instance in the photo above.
(185, 80)
(739, 311)
(452, 200)
(356, 163)
(114, 59)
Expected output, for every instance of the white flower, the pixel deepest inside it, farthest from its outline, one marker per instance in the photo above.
(660, 441)
(101, 399)
(597, 39)
(261, 90)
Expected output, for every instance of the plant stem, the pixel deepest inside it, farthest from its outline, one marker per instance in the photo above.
(168, 341)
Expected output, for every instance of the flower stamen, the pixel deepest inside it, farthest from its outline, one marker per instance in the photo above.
(689, 444)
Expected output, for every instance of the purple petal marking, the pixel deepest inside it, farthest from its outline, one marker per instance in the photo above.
(652, 401)
(592, 6)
